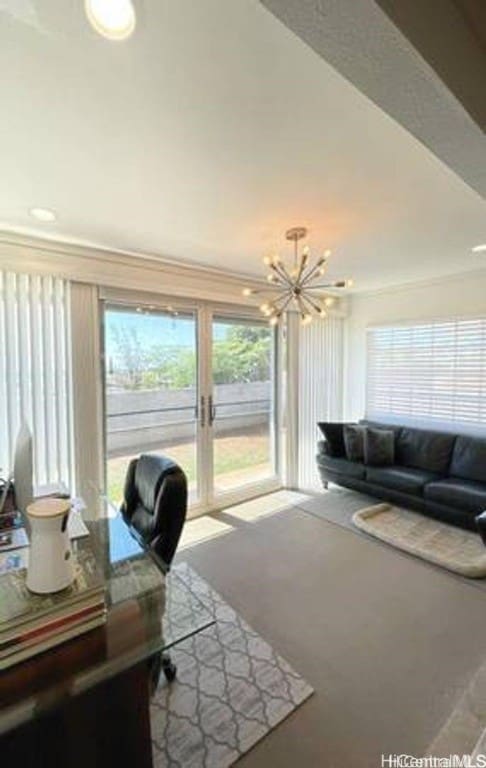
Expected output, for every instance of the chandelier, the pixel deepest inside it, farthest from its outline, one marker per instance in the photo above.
(298, 288)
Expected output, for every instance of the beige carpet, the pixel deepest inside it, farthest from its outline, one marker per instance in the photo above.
(446, 545)
(464, 732)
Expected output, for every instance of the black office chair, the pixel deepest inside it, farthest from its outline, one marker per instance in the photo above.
(481, 524)
(155, 504)
(154, 507)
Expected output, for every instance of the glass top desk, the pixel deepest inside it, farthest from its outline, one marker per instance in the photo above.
(147, 613)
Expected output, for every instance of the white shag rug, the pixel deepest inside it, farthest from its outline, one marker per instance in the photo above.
(446, 545)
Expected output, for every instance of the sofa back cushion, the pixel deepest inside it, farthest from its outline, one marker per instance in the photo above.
(333, 433)
(424, 449)
(469, 459)
(354, 441)
(379, 447)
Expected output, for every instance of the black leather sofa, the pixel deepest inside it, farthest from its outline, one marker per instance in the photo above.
(440, 474)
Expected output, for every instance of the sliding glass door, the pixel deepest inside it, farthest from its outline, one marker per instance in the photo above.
(151, 390)
(194, 384)
(242, 404)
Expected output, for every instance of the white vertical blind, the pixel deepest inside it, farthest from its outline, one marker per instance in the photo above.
(432, 373)
(35, 379)
(320, 390)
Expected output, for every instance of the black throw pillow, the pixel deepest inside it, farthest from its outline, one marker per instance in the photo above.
(333, 433)
(379, 447)
(354, 441)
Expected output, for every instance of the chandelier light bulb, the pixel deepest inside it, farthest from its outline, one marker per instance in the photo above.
(265, 307)
(297, 285)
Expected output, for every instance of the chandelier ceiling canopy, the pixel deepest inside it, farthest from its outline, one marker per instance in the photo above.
(299, 288)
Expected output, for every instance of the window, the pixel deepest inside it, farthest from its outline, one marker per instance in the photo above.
(429, 373)
(35, 372)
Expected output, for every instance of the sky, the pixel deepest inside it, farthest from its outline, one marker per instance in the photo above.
(155, 329)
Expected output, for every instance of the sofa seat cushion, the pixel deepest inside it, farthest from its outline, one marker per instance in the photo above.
(456, 492)
(342, 466)
(404, 479)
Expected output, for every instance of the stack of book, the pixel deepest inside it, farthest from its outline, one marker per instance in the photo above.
(31, 624)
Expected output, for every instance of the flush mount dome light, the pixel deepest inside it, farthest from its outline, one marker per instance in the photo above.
(114, 19)
(42, 214)
(479, 248)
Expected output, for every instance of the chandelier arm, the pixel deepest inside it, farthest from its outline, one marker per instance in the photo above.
(314, 306)
(311, 273)
(283, 297)
(282, 273)
(301, 305)
(303, 262)
(286, 276)
(267, 291)
(286, 303)
(254, 292)
(324, 285)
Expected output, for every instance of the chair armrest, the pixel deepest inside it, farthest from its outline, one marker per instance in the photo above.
(169, 515)
(130, 495)
(481, 524)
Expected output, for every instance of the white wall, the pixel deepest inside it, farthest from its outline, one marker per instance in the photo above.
(460, 296)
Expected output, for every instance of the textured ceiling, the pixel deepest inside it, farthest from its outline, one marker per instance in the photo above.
(422, 62)
(206, 135)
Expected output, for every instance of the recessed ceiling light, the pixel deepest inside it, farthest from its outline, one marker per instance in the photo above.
(42, 214)
(479, 248)
(114, 19)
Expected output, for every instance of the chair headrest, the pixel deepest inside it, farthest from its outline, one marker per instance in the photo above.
(149, 476)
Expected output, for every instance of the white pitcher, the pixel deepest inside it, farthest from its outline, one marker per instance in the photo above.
(50, 559)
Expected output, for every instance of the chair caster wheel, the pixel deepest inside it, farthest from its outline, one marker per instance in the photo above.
(169, 669)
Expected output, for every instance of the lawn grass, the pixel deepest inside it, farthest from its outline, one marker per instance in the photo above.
(231, 454)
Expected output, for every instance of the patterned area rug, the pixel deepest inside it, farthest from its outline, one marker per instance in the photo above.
(446, 545)
(232, 688)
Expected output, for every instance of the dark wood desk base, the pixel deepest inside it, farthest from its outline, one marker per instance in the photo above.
(106, 727)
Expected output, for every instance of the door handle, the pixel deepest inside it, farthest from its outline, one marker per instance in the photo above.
(203, 411)
(212, 410)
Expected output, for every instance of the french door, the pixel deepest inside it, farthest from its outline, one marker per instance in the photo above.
(196, 383)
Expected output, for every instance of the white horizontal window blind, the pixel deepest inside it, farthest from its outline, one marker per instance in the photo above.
(35, 379)
(432, 372)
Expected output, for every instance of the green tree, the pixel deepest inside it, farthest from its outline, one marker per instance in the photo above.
(243, 356)
(131, 359)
